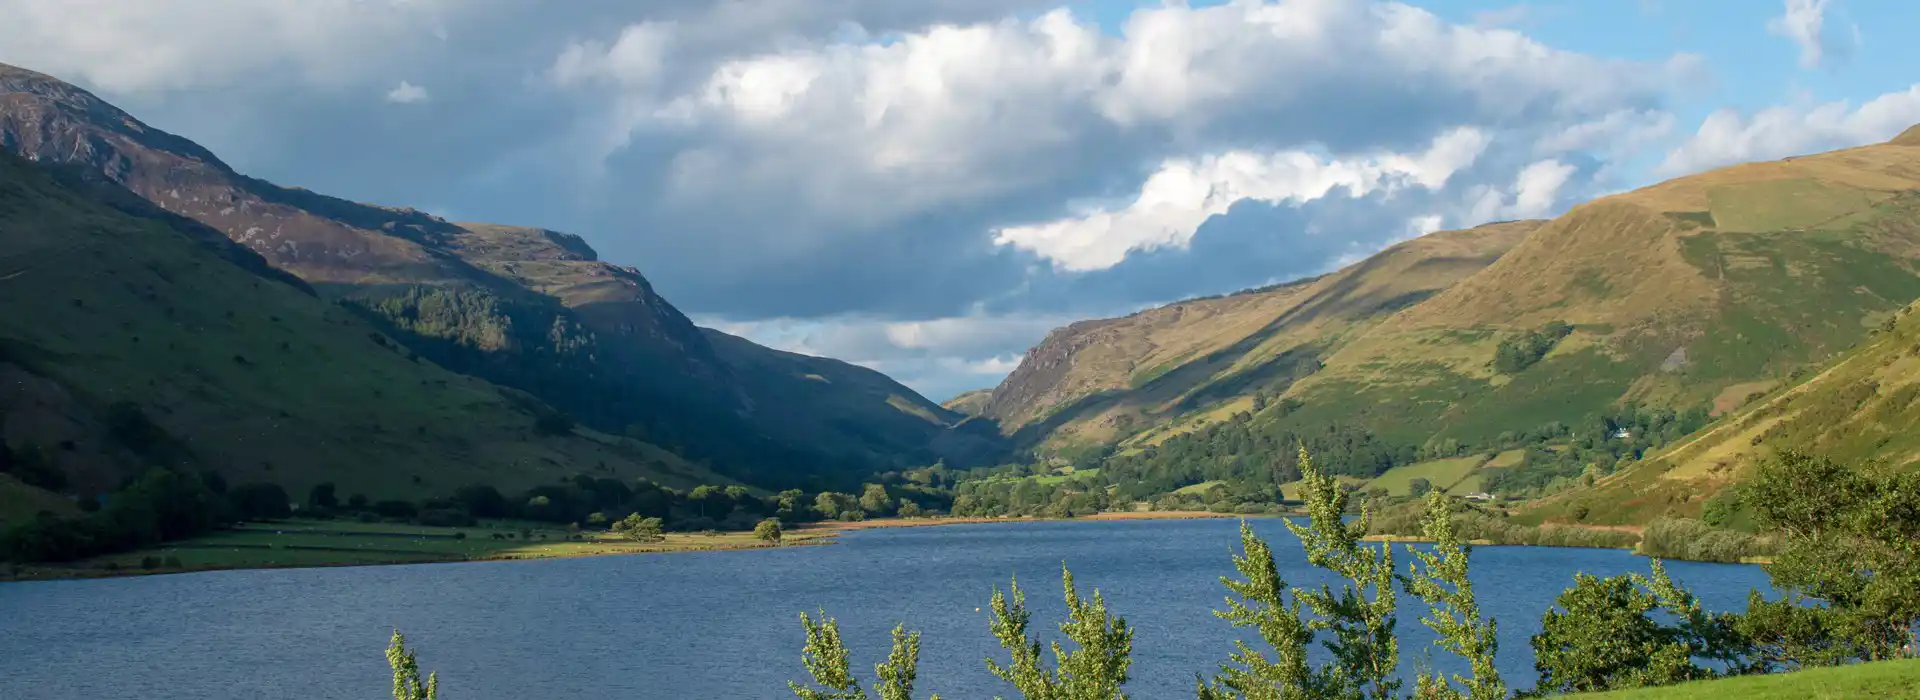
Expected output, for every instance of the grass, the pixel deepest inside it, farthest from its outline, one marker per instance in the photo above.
(1443, 474)
(20, 502)
(308, 543)
(1886, 679)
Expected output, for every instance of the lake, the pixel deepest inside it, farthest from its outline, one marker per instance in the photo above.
(720, 625)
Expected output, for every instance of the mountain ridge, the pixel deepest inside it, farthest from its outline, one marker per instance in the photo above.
(476, 297)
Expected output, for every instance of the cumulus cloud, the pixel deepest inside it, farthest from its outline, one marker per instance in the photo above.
(1804, 22)
(933, 143)
(407, 93)
(130, 47)
(1727, 137)
(1183, 194)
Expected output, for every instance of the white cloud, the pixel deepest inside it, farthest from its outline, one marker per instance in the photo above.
(857, 136)
(1726, 137)
(1804, 23)
(154, 45)
(1536, 193)
(407, 93)
(1183, 194)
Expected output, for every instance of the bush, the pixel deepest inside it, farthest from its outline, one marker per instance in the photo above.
(396, 509)
(1693, 540)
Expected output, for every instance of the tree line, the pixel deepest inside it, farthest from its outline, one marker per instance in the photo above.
(165, 505)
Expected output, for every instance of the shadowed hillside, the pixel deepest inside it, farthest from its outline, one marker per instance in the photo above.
(526, 308)
(128, 341)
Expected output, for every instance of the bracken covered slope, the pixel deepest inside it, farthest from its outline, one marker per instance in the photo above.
(1695, 292)
(1865, 407)
(128, 341)
(1098, 381)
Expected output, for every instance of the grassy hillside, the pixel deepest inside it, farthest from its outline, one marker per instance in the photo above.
(1176, 368)
(1885, 680)
(1865, 406)
(1693, 292)
(971, 403)
(850, 412)
(129, 341)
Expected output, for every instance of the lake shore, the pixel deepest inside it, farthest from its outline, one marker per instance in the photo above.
(326, 544)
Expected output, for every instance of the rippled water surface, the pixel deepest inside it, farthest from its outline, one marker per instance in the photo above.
(718, 625)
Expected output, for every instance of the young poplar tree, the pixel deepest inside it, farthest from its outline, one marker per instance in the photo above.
(1263, 605)
(1095, 670)
(1453, 612)
(826, 661)
(406, 673)
(1361, 615)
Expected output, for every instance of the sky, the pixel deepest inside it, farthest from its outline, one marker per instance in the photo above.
(927, 187)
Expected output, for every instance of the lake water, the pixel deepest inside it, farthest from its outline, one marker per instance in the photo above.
(720, 625)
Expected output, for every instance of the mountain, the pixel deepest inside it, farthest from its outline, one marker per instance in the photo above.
(969, 403)
(1863, 407)
(522, 307)
(130, 338)
(1689, 295)
(1165, 370)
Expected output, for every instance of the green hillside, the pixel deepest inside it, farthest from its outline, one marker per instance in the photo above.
(129, 340)
(1572, 347)
(1178, 368)
(1863, 407)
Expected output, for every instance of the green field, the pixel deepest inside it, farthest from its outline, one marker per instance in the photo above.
(1887, 679)
(299, 543)
(1444, 474)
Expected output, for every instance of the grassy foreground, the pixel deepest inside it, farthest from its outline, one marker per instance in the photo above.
(309, 543)
(1886, 679)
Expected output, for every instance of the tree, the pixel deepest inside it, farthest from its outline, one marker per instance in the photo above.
(406, 673)
(259, 501)
(1453, 611)
(1361, 616)
(875, 502)
(909, 509)
(1419, 487)
(826, 660)
(768, 531)
(1852, 542)
(1263, 604)
(323, 497)
(1094, 671)
(639, 529)
(1602, 636)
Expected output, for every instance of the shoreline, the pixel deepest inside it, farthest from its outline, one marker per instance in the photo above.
(801, 535)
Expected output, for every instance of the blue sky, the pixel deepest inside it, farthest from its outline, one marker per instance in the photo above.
(927, 188)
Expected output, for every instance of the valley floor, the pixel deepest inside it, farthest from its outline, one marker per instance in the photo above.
(1886, 679)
